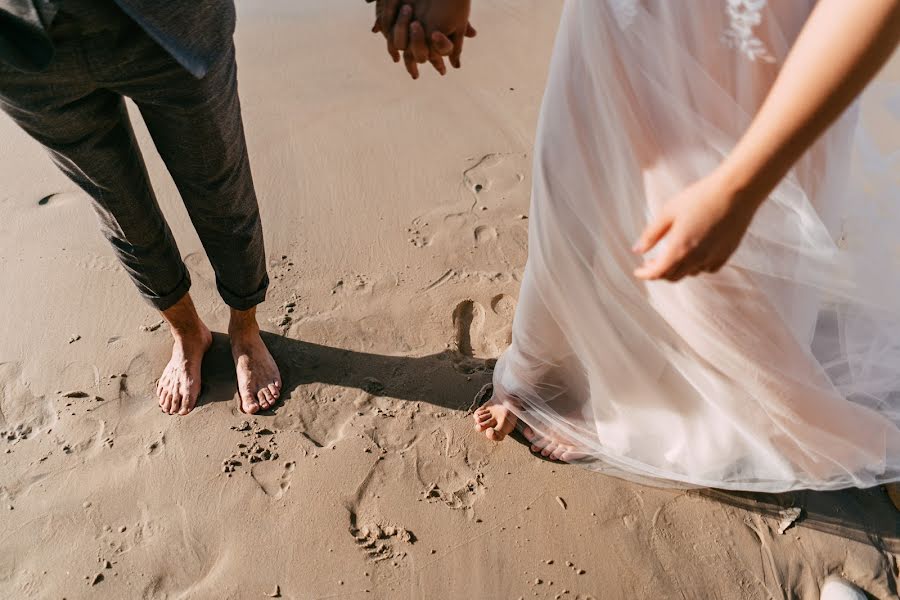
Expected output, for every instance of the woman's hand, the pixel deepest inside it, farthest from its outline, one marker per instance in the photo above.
(702, 227)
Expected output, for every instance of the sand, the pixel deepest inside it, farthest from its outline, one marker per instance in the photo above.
(396, 215)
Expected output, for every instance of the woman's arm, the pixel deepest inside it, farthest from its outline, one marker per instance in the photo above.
(840, 49)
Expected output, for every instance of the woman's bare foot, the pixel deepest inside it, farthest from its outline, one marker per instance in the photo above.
(179, 385)
(495, 420)
(493, 416)
(258, 379)
(554, 447)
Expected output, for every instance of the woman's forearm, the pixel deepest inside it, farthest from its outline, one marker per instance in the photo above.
(840, 49)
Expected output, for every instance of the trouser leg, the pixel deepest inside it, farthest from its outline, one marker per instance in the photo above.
(90, 138)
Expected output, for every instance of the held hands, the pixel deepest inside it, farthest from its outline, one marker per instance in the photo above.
(424, 31)
(702, 227)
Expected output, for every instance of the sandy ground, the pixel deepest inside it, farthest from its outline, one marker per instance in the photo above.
(394, 282)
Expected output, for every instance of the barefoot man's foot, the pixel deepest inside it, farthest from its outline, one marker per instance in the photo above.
(179, 385)
(258, 379)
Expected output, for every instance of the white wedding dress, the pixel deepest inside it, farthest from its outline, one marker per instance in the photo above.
(781, 371)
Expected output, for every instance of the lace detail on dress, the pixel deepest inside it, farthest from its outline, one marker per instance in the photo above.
(743, 16)
(624, 12)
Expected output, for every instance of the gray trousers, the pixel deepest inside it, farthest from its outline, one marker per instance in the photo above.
(76, 110)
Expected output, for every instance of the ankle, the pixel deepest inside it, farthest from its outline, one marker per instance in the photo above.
(243, 323)
(189, 332)
(184, 322)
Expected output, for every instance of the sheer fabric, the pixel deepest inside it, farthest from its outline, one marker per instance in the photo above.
(782, 370)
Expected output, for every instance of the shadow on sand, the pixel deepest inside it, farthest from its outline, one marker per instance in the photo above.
(451, 381)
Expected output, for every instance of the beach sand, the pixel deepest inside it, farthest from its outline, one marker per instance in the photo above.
(396, 217)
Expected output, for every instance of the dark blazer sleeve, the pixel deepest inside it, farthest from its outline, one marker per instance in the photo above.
(24, 41)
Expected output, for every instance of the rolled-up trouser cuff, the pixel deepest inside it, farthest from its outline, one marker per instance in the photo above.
(162, 303)
(244, 302)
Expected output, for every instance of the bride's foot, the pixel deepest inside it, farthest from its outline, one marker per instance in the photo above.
(495, 420)
(552, 446)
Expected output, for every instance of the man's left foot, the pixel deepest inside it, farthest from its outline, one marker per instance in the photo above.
(258, 379)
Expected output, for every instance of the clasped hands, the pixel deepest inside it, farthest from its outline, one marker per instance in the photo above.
(424, 31)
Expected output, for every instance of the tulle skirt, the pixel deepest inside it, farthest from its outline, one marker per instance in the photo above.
(782, 370)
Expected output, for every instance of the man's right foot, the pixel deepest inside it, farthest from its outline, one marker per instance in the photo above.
(179, 384)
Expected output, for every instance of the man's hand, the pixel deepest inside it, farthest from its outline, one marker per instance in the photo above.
(438, 31)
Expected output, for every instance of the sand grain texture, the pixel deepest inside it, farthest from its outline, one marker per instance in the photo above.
(396, 223)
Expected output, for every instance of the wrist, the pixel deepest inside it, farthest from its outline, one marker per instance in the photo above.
(745, 183)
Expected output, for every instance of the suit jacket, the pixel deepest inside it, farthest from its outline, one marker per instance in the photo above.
(195, 32)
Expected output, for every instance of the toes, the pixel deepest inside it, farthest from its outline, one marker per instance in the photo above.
(507, 423)
(529, 434)
(249, 404)
(165, 399)
(274, 391)
(559, 452)
(489, 423)
(175, 404)
(494, 435)
(188, 401)
(549, 449)
(572, 455)
(265, 398)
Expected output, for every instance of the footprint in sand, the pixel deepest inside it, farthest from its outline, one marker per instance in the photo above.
(496, 175)
(468, 321)
(485, 234)
(503, 307)
(468, 343)
(274, 479)
(380, 542)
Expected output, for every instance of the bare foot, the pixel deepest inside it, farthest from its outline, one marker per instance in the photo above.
(179, 385)
(552, 446)
(495, 420)
(258, 379)
(493, 417)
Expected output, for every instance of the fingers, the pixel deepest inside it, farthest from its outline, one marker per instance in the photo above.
(386, 14)
(417, 42)
(437, 61)
(411, 66)
(651, 235)
(401, 28)
(457, 40)
(441, 43)
(392, 50)
(662, 265)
